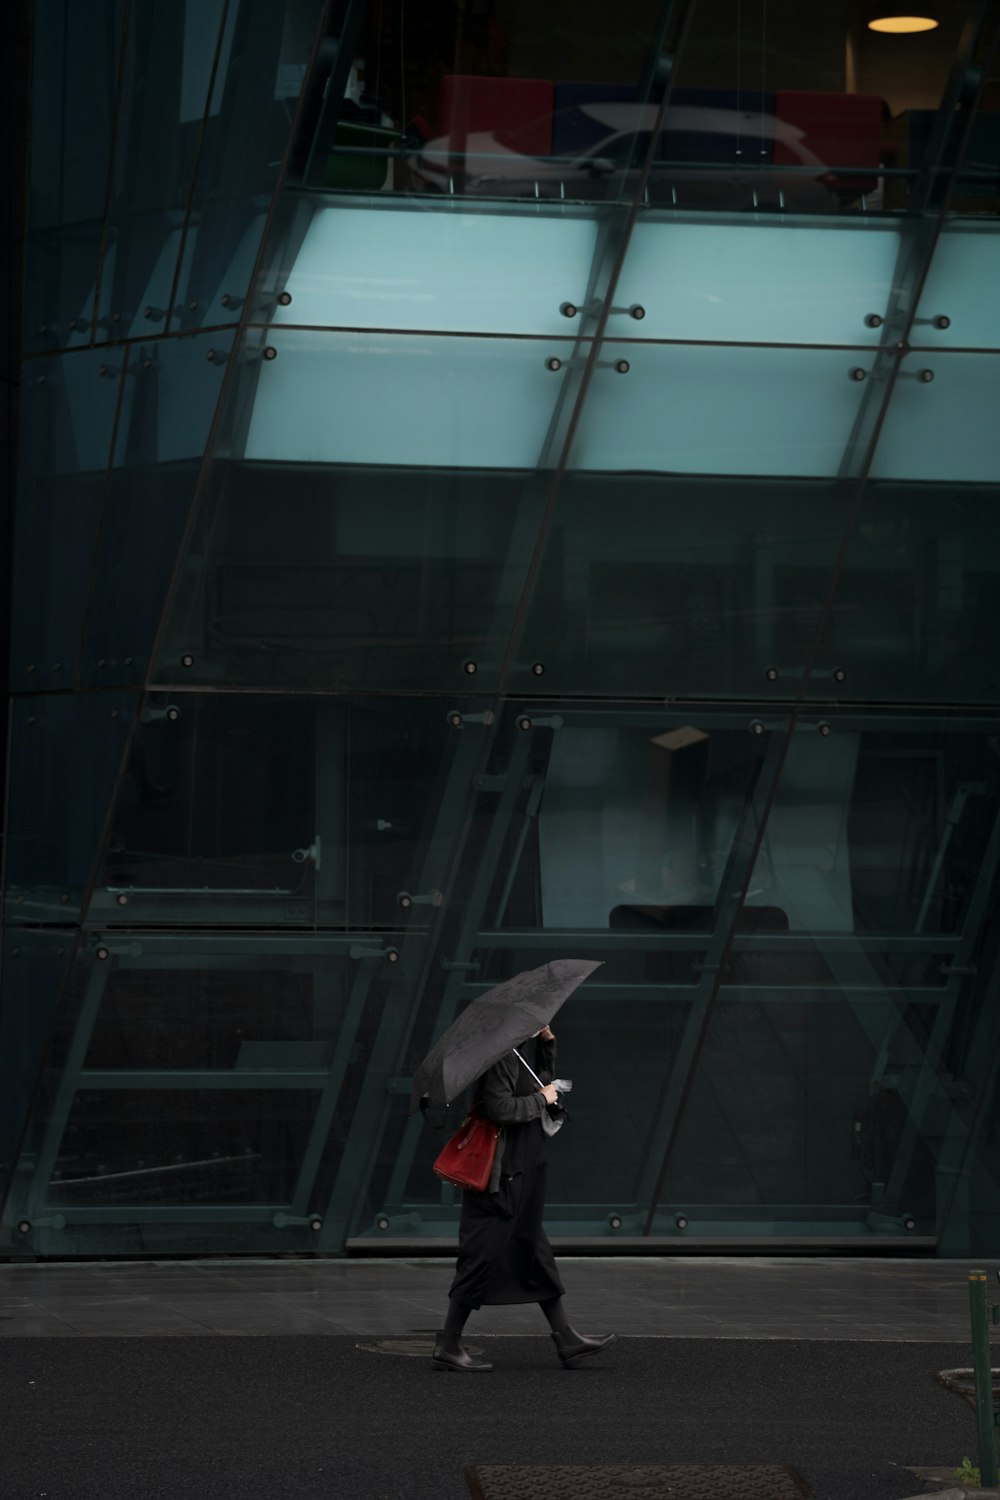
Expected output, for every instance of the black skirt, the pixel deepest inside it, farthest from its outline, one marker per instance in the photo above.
(504, 1255)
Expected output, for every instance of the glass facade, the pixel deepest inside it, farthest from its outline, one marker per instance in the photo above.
(497, 483)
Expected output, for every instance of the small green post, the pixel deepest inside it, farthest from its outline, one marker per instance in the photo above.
(984, 1379)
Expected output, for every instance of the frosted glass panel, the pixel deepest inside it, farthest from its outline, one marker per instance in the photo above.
(689, 410)
(375, 398)
(393, 268)
(766, 282)
(947, 428)
(963, 286)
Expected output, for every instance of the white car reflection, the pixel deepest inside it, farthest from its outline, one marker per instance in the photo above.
(489, 164)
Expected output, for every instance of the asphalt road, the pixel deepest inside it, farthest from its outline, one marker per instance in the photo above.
(303, 1416)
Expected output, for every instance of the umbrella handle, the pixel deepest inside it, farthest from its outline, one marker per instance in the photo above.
(531, 1070)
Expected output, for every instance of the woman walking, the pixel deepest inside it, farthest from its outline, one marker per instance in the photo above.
(504, 1255)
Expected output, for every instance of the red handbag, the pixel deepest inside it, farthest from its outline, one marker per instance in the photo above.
(466, 1161)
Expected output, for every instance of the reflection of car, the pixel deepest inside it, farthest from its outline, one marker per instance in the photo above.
(689, 165)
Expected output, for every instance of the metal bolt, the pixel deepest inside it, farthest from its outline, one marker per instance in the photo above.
(637, 312)
(173, 713)
(909, 1223)
(381, 1222)
(824, 729)
(316, 1223)
(569, 309)
(874, 320)
(839, 674)
(615, 1220)
(24, 1227)
(622, 366)
(102, 954)
(857, 373)
(405, 900)
(187, 660)
(285, 299)
(122, 899)
(270, 352)
(681, 1221)
(925, 376)
(470, 668)
(756, 727)
(455, 720)
(538, 669)
(553, 364)
(771, 674)
(524, 722)
(941, 321)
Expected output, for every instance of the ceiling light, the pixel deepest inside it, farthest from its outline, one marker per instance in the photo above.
(900, 24)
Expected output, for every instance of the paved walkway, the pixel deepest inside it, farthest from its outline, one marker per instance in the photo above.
(665, 1297)
(206, 1379)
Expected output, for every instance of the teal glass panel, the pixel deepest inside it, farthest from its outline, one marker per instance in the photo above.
(317, 577)
(66, 752)
(197, 1092)
(937, 394)
(494, 272)
(95, 547)
(355, 398)
(914, 617)
(163, 98)
(35, 962)
(674, 586)
(176, 385)
(75, 52)
(685, 409)
(274, 812)
(768, 281)
(264, 49)
(961, 287)
(69, 407)
(881, 850)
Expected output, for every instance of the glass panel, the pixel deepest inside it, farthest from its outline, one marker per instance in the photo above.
(489, 102)
(962, 288)
(69, 407)
(191, 1094)
(492, 272)
(812, 104)
(264, 49)
(274, 812)
(157, 461)
(937, 394)
(916, 589)
(163, 97)
(720, 410)
(312, 577)
(481, 405)
(681, 586)
(65, 755)
(34, 966)
(766, 282)
(75, 53)
(893, 837)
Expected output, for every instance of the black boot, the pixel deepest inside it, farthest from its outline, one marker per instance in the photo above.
(573, 1346)
(452, 1355)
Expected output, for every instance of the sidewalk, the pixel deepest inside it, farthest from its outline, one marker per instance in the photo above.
(308, 1378)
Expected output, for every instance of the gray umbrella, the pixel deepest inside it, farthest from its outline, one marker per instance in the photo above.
(503, 1018)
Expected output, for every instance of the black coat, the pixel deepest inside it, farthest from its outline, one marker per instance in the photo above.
(503, 1252)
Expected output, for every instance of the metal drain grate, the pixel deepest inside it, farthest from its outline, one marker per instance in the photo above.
(635, 1482)
(416, 1347)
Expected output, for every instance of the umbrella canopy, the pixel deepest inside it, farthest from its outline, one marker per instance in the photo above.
(503, 1018)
